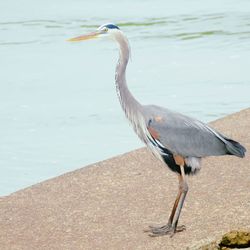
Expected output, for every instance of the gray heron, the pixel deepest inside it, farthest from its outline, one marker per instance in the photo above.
(177, 140)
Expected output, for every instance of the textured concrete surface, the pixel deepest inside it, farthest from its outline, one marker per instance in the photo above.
(108, 204)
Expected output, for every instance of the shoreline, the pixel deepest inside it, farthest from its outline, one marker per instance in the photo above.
(106, 205)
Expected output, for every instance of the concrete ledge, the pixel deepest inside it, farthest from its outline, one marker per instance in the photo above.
(108, 204)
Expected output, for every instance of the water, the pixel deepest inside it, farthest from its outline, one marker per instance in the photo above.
(59, 109)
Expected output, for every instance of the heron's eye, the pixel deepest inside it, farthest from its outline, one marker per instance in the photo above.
(105, 29)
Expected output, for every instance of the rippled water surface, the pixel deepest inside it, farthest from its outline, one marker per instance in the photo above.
(59, 109)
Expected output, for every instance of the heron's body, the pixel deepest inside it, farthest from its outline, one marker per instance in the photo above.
(177, 140)
(166, 132)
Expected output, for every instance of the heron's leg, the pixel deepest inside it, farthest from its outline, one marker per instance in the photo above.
(171, 227)
(168, 228)
(171, 217)
(183, 189)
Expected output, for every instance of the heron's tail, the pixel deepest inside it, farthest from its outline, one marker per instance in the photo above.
(235, 148)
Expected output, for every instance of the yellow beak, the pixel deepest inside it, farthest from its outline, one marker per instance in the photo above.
(89, 36)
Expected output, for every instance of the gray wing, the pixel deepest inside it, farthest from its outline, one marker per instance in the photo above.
(183, 135)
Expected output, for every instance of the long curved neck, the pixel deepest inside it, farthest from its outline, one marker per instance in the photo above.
(129, 104)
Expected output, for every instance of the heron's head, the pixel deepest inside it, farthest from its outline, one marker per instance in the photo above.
(109, 30)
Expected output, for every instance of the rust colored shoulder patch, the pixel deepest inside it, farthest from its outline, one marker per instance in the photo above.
(153, 133)
(158, 118)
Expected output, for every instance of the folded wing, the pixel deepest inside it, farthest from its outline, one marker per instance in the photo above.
(186, 136)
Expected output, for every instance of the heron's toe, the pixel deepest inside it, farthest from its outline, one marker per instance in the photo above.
(180, 228)
(155, 231)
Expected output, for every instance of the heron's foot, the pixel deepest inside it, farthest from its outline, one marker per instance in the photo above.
(168, 229)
